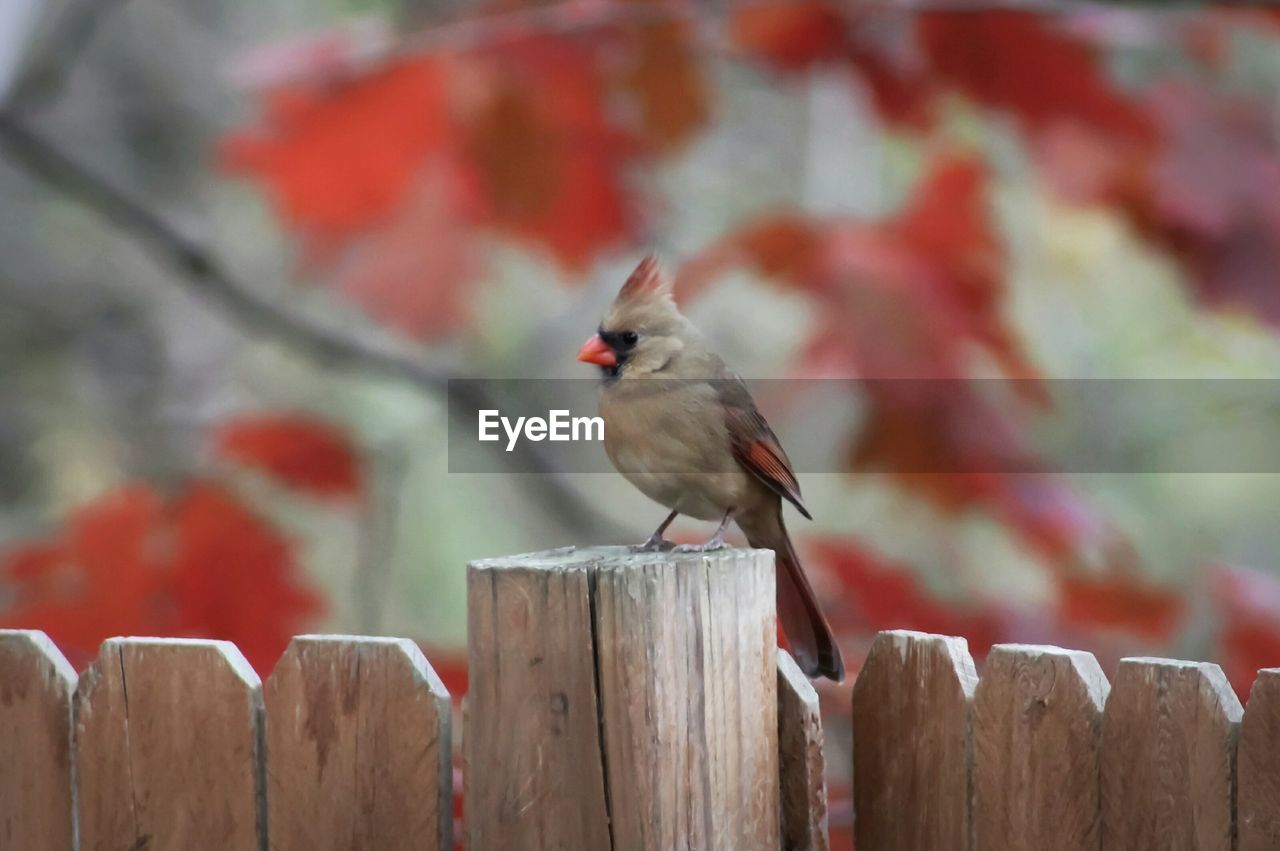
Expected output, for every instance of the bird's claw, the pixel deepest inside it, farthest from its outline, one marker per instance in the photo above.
(655, 544)
(708, 547)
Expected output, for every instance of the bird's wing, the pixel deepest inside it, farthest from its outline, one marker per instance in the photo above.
(755, 446)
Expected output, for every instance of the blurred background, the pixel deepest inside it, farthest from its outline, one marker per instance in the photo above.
(245, 246)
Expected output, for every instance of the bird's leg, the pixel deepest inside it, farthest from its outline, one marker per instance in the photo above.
(716, 541)
(656, 542)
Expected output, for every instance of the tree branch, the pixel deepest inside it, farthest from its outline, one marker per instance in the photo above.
(206, 277)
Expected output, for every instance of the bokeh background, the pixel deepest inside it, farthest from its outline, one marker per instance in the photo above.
(246, 244)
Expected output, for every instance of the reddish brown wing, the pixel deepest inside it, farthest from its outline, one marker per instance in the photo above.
(755, 446)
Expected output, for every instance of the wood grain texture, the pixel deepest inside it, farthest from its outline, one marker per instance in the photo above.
(534, 777)
(36, 684)
(1037, 729)
(1168, 757)
(1258, 808)
(687, 656)
(622, 701)
(358, 747)
(167, 748)
(801, 765)
(912, 744)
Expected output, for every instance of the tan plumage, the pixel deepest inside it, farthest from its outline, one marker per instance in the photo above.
(682, 428)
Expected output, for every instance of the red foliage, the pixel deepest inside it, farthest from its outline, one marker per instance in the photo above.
(1249, 630)
(660, 74)
(399, 165)
(537, 136)
(878, 594)
(790, 36)
(340, 158)
(1212, 199)
(906, 304)
(1022, 62)
(298, 451)
(1131, 604)
(549, 161)
(136, 563)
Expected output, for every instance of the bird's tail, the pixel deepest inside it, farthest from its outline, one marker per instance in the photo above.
(807, 630)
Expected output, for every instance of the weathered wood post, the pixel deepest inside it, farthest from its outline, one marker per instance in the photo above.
(622, 701)
(36, 684)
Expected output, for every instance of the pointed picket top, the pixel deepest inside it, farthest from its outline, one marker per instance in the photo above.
(1169, 756)
(36, 683)
(800, 760)
(167, 747)
(1037, 728)
(1258, 808)
(358, 746)
(912, 744)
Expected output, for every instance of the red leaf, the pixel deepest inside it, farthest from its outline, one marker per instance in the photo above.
(1121, 602)
(947, 223)
(97, 578)
(662, 77)
(1022, 62)
(790, 36)
(412, 274)
(549, 161)
(1248, 604)
(1213, 198)
(128, 564)
(296, 450)
(234, 576)
(879, 594)
(340, 158)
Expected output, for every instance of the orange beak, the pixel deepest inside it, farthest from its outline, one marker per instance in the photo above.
(597, 351)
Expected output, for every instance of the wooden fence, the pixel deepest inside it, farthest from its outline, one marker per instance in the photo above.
(1043, 753)
(624, 702)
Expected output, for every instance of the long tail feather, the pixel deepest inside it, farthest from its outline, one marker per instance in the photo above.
(806, 628)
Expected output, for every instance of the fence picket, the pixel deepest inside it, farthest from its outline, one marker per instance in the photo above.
(358, 747)
(1037, 727)
(623, 700)
(35, 742)
(800, 761)
(535, 775)
(1258, 808)
(1168, 761)
(912, 743)
(577, 677)
(166, 748)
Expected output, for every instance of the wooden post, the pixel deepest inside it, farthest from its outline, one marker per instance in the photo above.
(622, 701)
(358, 748)
(1169, 757)
(167, 748)
(35, 742)
(1037, 729)
(801, 764)
(1258, 813)
(912, 744)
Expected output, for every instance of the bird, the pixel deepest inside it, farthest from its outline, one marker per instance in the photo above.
(682, 427)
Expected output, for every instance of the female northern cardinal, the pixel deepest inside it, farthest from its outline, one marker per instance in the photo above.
(681, 427)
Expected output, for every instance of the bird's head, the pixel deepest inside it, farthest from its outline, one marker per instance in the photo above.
(643, 332)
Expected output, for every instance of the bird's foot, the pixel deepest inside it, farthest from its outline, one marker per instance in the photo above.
(655, 544)
(708, 547)
(716, 543)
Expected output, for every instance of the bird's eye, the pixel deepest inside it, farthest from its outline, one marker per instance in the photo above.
(629, 338)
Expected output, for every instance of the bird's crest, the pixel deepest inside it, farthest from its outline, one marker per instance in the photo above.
(646, 282)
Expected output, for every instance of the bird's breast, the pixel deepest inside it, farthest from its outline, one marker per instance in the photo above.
(674, 447)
